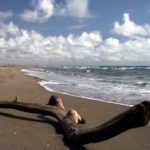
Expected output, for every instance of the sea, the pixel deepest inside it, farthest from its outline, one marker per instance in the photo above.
(126, 85)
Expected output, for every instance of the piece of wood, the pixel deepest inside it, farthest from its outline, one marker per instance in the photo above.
(136, 116)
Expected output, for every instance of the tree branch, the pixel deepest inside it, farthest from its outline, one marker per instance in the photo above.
(34, 108)
(136, 116)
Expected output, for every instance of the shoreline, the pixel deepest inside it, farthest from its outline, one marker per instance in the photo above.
(88, 98)
(41, 83)
(20, 130)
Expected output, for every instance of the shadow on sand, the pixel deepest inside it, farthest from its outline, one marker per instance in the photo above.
(48, 120)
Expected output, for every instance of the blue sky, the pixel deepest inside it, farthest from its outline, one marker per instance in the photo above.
(76, 32)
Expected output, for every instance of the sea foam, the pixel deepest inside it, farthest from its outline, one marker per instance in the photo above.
(125, 85)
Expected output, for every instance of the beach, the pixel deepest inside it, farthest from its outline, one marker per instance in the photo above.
(25, 131)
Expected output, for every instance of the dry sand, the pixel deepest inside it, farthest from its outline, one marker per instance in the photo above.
(25, 131)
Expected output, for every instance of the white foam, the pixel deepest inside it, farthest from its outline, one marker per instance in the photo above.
(47, 88)
(28, 72)
(147, 68)
(24, 70)
(49, 82)
(88, 98)
(122, 68)
(108, 90)
(105, 68)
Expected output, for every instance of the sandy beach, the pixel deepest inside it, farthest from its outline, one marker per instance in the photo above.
(25, 131)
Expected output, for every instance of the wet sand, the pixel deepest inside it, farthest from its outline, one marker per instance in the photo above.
(25, 131)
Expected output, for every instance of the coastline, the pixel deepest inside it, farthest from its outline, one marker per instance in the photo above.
(87, 98)
(21, 130)
(41, 83)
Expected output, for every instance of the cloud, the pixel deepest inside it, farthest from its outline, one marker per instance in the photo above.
(123, 53)
(8, 29)
(74, 8)
(6, 14)
(45, 9)
(31, 47)
(41, 12)
(129, 28)
(78, 26)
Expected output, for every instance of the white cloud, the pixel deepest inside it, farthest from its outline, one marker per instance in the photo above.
(78, 26)
(74, 8)
(87, 40)
(45, 9)
(42, 11)
(31, 47)
(10, 28)
(129, 28)
(127, 52)
(6, 14)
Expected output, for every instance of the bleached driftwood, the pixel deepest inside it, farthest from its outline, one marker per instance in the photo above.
(136, 116)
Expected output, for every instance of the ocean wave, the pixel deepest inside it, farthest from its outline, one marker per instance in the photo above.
(141, 84)
(147, 68)
(123, 68)
(46, 87)
(49, 82)
(101, 82)
(104, 68)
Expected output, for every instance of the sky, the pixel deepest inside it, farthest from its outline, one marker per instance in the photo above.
(75, 32)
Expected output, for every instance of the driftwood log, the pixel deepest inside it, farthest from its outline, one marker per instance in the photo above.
(136, 116)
